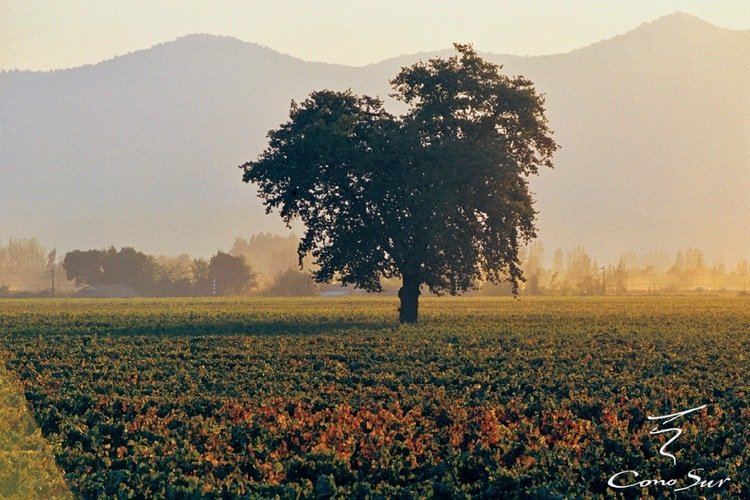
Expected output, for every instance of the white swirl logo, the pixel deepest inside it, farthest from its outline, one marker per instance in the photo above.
(677, 431)
(697, 480)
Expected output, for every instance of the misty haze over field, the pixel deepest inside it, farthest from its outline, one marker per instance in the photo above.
(141, 150)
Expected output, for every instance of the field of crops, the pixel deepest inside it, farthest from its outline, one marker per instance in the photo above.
(494, 398)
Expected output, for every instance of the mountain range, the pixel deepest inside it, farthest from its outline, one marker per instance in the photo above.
(142, 149)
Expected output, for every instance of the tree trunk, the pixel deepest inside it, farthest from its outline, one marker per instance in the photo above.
(409, 295)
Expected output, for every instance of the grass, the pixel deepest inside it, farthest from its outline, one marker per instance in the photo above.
(27, 462)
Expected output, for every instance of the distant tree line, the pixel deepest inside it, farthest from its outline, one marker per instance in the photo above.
(576, 273)
(23, 255)
(223, 274)
(263, 264)
(267, 264)
(25, 265)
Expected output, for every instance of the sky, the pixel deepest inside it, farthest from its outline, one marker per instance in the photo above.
(44, 35)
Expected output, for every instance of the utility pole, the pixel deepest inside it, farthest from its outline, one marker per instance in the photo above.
(604, 288)
(51, 264)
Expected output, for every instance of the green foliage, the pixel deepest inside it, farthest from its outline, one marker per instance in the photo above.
(494, 398)
(293, 283)
(112, 267)
(230, 275)
(224, 274)
(438, 196)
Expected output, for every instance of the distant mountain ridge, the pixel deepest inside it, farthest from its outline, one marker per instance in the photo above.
(142, 149)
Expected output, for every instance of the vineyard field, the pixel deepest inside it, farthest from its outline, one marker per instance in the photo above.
(329, 397)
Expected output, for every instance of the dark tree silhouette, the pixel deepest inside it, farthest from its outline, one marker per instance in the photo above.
(112, 267)
(86, 267)
(437, 196)
(229, 274)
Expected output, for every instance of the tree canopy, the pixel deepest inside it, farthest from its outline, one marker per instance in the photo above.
(111, 267)
(230, 275)
(437, 196)
(224, 274)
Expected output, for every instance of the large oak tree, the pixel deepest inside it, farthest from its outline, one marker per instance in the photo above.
(437, 196)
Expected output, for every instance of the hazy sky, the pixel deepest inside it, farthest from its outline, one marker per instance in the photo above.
(45, 34)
